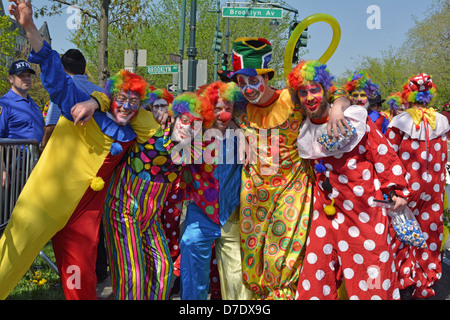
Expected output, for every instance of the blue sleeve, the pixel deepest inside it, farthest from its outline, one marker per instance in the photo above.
(56, 81)
(53, 114)
(4, 111)
(384, 125)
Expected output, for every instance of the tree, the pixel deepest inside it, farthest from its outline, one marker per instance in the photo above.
(97, 16)
(8, 41)
(425, 49)
(160, 37)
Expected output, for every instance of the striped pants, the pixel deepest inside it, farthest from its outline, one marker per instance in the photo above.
(140, 262)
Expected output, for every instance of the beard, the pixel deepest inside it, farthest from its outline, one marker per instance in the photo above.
(317, 114)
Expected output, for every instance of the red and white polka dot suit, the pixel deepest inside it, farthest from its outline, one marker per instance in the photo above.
(418, 267)
(355, 243)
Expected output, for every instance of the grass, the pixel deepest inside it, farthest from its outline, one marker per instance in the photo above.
(41, 282)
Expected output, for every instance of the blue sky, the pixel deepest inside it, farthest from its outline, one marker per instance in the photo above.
(396, 17)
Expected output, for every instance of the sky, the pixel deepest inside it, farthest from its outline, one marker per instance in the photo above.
(364, 32)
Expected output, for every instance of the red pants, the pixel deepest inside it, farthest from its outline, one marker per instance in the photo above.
(75, 245)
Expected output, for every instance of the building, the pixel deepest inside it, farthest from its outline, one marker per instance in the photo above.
(23, 46)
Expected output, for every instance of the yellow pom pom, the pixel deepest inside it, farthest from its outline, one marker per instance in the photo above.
(97, 184)
(330, 210)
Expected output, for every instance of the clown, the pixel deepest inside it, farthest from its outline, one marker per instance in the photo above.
(212, 216)
(64, 195)
(275, 199)
(349, 236)
(360, 88)
(140, 260)
(396, 104)
(419, 138)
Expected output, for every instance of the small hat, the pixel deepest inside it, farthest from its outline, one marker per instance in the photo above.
(376, 100)
(421, 83)
(19, 66)
(251, 57)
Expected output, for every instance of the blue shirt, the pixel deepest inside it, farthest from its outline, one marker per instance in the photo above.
(82, 82)
(20, 118)
(63, 91)
(375, 115)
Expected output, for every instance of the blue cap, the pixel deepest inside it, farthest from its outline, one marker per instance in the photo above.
(19, 66)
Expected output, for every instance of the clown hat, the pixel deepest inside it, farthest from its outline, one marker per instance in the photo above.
(419, 89)
(251, 57)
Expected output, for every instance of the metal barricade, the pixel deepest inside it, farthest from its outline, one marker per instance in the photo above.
(17, 159)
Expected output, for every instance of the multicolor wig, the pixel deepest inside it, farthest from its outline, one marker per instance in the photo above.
(395, 100)
(187, 102)
(127, 81)
(157, 94)
(309, 71)
(210, 95)
(361, 81)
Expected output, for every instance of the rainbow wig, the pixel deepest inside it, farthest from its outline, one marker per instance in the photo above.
(361, 81)
(413, 94)
(127, 81)
(187, 102)
(395, 100)
(211, 94)
(309, 71)
(156, 94)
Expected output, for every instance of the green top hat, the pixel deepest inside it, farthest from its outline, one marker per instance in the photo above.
(251, 57)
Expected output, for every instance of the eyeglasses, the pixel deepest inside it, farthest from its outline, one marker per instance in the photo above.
(133, 101)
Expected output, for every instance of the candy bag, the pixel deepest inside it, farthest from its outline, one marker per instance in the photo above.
(405, 225)
(333, 144)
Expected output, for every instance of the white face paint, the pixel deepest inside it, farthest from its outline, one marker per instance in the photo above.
(185, 127)
(252, 88)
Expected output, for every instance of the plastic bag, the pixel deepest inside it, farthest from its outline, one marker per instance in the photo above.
(405, 225)
(333, 144)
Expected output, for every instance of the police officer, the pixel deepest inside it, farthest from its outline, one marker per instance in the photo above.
(20, 116)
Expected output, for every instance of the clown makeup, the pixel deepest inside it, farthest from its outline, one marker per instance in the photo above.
(223, 113)
(185, 127)
(359, 98)
(252, 88)
(401, 109)
(312, 100)
(125, 106)
(159, 109)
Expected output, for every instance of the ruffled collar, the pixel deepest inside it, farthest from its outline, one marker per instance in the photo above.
(112, 129)
(308, 143)
(273, 113)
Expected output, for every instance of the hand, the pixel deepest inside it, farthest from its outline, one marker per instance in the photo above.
(163, 119)
(83, 111)
(22, 12)
(337, 119)
(399, 203)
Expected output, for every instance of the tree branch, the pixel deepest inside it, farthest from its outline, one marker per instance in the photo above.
(84, 11)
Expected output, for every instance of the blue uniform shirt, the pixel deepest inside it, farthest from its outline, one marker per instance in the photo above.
(20, 118)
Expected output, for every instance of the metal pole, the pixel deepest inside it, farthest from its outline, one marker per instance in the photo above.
(181, 45)
(216, 53)
(135, 58)
(192, 50)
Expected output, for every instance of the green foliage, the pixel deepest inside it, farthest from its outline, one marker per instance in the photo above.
(8, 41)
(161, 33)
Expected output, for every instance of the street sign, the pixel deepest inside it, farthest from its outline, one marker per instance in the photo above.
(141, 58)
(247, 12)
(162, 69)
(174, 58)
(171, 87)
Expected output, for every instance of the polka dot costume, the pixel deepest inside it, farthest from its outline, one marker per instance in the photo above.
(354, 244)
(424, 157)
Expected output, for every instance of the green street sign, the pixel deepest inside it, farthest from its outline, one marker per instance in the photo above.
(246, 12)
(162, 69)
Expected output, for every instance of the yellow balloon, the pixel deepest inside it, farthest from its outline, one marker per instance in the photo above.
(319, 17)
